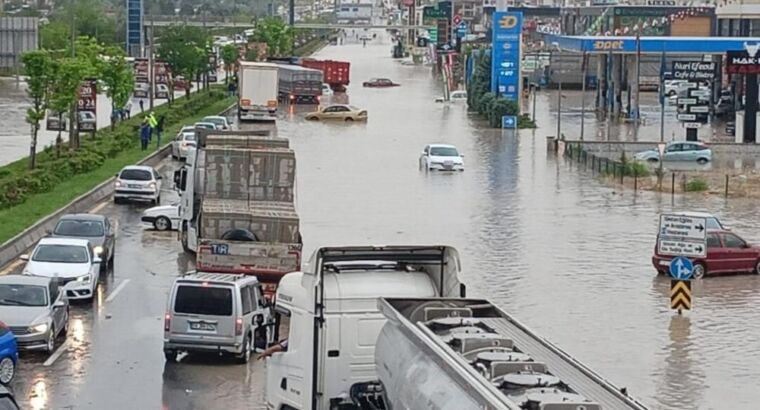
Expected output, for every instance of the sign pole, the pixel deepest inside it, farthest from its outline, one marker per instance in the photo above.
(662, 98)
(584, 62)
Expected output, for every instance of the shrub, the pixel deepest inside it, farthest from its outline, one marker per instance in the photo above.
(696, 184)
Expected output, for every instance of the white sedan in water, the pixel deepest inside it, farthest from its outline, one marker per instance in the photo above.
(162, 218)
(441, 157)
(72, 262)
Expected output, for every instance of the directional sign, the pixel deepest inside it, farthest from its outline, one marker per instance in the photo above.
(681, 268)
(509, 122)
(694, 125)
(687, 101)
(699, 93)
(680, 295)
(682, 236)
(701, 109)
(686, 117)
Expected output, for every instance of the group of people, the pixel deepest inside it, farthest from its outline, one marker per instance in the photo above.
(151, 125)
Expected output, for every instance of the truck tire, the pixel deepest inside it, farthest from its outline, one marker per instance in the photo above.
(183, 238)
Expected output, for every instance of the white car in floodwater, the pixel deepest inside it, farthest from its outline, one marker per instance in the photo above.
(162, 217)
(441, 157)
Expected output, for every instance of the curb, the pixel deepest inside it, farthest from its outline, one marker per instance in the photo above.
(14, 247)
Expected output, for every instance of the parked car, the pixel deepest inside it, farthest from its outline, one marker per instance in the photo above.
(54, 123)
(183, 143)
(35, 310)
(138, 182)
(379, 83)
(162, 217)
(8, 349)
(7, 401)
(220, 122)
(211, 312)
(95, 228)
(340, 112)
(181, 84)
(679, 151)
(675, 87)
(326, 90)
(72, 262)
(726, 253)
(441, 157)
(206, 125)
(86, 121)
(456, 96)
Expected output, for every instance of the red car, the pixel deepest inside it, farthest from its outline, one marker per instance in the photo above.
(726, 253)
(379, 82)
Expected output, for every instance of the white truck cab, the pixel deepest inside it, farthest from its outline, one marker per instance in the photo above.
(334, 321)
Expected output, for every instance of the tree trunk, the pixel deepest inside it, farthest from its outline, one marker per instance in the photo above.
(58, 139)
(33, 148)
(187, 92)
(113, 120)
(73, 130)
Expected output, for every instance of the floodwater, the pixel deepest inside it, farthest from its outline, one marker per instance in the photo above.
(538, 236)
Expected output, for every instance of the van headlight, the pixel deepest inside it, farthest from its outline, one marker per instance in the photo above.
(98, 250)
(40, 328)
(84, 279)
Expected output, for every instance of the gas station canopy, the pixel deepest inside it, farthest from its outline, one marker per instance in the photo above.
(651, 45)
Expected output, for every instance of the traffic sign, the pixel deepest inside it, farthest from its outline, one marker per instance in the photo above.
(433, 35)
(695, 125)
(687, 101)
(681, 268)
(680, 295)
(509, 122)
(686, 117)
(699, 93)
(680, 235)
(700, 109)
(457, 19)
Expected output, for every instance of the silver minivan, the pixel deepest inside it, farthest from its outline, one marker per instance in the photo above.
(217, 313)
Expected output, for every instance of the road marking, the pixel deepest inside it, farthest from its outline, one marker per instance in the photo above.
(58, 352)
(117, 290)
(99, 207)
(11, 267)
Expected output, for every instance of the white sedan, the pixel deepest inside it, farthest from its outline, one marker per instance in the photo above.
(441, 157)
(183, 142)
(72, 261)
(162, 218)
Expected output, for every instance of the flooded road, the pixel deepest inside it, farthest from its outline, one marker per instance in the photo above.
(541, 238)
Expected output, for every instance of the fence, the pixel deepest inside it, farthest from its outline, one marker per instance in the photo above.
(618, 170)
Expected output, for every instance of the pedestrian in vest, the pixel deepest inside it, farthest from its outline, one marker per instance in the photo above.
(152, 123)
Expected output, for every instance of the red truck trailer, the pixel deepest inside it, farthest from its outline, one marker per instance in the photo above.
(335, 73)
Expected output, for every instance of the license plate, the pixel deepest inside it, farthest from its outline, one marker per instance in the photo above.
(665, 263)
(203, 326)
(135, 186)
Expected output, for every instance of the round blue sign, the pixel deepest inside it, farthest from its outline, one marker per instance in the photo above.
(681, 268)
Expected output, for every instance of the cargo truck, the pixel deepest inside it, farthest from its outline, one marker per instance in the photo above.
(299, 85)
(387, 327)
(257, 91)
(334, 73)
(237, 205)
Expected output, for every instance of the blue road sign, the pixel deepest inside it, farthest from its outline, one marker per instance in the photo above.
(681, 268)
(509, 122)
(462, 29)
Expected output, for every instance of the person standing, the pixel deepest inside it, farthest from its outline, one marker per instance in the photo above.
(144, 134)
(159, 130)
(128, 109)
(152, 123)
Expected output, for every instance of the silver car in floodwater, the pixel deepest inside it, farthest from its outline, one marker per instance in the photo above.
(692, 151)
(35, 309)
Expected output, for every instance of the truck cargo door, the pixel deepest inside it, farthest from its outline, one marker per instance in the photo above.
(333, 377)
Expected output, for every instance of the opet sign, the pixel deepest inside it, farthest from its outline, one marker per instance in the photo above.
(607, 45)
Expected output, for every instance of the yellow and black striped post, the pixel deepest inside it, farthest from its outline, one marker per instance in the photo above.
(680, 295)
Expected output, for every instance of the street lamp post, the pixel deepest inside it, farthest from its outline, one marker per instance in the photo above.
(559, 94)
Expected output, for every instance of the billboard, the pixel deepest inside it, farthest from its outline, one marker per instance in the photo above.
(213, 64)
(87, 98)
(161, 77)
(141, 78)
(134, 28)
(505, 57)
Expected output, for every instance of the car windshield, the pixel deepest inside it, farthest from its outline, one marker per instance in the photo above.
(203, 300)
(219, 121)
(22, 295)
(71, 227)
(353, 107)
(189, 136)
(444, 152)
(60, 254)
(136, 175)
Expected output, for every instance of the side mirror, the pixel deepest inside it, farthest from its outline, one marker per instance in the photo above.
(461, 155)
(96, 259)
(424, 154)
(24, 257)
(258, 320)
(59, 304)
(116, 175)
(160, 177)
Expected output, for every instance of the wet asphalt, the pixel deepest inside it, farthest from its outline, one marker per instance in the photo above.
(540, 237)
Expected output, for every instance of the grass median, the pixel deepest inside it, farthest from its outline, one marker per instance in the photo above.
(18, 217)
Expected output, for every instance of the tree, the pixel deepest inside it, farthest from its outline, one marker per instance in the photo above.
(117, 79)
(68, 75)
(184, 49)
(277, 35)
(55, 35)
(38, 67)
(230, 56)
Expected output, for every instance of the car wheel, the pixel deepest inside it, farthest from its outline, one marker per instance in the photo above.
(349, 119)
(671, 93)
(171, 356)
(757, 267)
(702, 161)
(312, 119)
(111, 260)
(183, 239)
(116, 200)
(66, 323)
(699, 270)
(652, 160)
(50, 347)
(162, 223)
(7, 370)
(245, 355)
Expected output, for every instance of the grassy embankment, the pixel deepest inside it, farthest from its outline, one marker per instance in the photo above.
(26, 196)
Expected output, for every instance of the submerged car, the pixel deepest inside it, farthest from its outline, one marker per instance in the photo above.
(8, 352)
(379, 83)
(138, 182)
(678, 151)
(441, 157)
(72, 262)
(339, 112)
(95, 228)
(162, 217)
(326, 90)
(726, 253)
(456, 96)
(35, 310)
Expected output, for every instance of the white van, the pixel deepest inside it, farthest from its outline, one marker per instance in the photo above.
(216, 313)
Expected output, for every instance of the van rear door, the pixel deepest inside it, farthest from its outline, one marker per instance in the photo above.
(203, 311)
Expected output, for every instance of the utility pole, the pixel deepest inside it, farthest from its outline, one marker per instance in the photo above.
(151, 71)
(584, 63)
(73, 126)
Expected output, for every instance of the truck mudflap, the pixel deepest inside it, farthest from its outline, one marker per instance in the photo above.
(268, 261)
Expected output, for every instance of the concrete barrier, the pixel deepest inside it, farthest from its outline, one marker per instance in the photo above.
(16, 246)
(614, 149)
